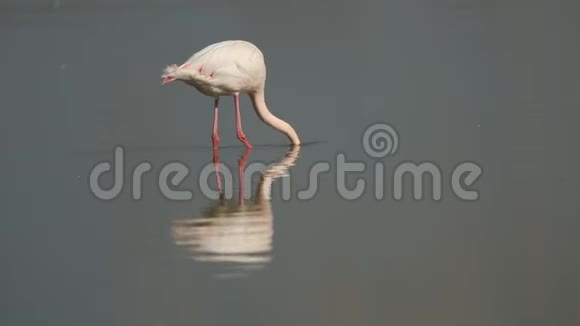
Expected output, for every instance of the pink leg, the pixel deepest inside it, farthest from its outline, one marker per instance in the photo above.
(240, 132)
(215, 138)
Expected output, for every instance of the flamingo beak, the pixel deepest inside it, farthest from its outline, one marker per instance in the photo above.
(167, 80)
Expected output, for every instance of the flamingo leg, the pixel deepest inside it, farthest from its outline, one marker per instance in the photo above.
(215, 138)
(240, 132)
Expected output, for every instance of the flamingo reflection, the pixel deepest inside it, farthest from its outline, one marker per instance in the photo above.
(238, 231)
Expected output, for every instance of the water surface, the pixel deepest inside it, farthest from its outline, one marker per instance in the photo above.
(489, 82)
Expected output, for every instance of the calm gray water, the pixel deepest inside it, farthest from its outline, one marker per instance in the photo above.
(491, 82)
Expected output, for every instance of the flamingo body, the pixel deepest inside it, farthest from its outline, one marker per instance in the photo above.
(226, 68)
(229, 68)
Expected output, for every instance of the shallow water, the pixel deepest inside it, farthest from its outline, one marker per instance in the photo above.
(489, 83)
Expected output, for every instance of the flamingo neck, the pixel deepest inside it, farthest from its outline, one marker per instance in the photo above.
(259, 103)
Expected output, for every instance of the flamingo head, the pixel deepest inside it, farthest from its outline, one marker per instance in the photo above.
(172, 72)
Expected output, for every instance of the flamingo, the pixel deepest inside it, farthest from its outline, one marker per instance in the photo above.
(229, 68)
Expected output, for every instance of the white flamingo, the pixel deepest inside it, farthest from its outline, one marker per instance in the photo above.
(230, 68)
